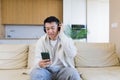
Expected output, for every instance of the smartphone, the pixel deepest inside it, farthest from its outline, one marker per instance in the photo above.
(45, 55)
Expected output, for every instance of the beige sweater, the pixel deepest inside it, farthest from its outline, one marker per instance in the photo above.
(65, 50)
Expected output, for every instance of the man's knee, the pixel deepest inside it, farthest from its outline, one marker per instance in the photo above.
(71, 74)
(40, 74)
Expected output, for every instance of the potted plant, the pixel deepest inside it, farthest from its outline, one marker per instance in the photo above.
(76, 33)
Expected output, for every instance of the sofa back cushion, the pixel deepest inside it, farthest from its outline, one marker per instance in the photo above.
(13, 56)
(31, 55)
(96, 55)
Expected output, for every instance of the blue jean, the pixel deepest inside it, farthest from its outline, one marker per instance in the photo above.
(63, 74)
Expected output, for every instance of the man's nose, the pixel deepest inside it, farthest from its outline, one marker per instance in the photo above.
(50, 30)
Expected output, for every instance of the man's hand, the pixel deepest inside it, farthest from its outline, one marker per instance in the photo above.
(44, 63)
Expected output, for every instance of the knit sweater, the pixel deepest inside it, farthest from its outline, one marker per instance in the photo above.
(65, 50)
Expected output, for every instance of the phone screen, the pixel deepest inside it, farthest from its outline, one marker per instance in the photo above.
(45, 55)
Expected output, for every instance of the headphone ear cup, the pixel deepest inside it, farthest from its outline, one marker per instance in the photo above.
(59, 28)
(44, 29)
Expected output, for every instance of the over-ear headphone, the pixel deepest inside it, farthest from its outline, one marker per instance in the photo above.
(52, 19)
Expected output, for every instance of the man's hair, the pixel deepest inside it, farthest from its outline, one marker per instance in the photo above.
(52, 19)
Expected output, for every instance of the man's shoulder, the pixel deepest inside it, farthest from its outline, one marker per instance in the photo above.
(42, 37)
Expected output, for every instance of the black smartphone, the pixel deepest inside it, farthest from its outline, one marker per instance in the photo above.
(45, 55)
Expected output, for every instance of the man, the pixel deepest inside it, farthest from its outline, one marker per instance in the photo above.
(62, 51)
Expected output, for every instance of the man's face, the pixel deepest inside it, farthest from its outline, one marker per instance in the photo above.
(51, 30)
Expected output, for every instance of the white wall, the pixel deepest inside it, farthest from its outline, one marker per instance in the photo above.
(22, 31)
(74, 12)
(97, 20)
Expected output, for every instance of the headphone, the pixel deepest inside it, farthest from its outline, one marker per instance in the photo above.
(51, 19)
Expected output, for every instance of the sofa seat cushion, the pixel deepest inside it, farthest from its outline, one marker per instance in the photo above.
(17, 74)
(13, 56)
(106, 73)
(96, 55)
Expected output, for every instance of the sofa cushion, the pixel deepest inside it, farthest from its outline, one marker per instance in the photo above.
(105, 73)
(16, 74)
(31, 55)
(96, 55)
(13, 56)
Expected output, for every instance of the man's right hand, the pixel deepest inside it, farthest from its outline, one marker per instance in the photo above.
(44, 63)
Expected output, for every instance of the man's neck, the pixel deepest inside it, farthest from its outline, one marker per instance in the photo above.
(53, 39)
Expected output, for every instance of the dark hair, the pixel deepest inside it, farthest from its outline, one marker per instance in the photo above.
(51, 19)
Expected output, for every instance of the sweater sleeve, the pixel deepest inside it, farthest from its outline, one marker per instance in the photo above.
(68, 45)
(38, 51)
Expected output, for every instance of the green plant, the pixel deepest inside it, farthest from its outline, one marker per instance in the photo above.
(76, 33)
(79, 34)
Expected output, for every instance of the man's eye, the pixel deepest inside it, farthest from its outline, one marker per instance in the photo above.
(52, 28)
(47, 28)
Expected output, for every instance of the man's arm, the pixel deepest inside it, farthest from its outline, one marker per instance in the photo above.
(39, 62)
(38, 50)
(68, 45)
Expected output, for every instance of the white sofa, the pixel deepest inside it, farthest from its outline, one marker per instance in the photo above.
(95, 61)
